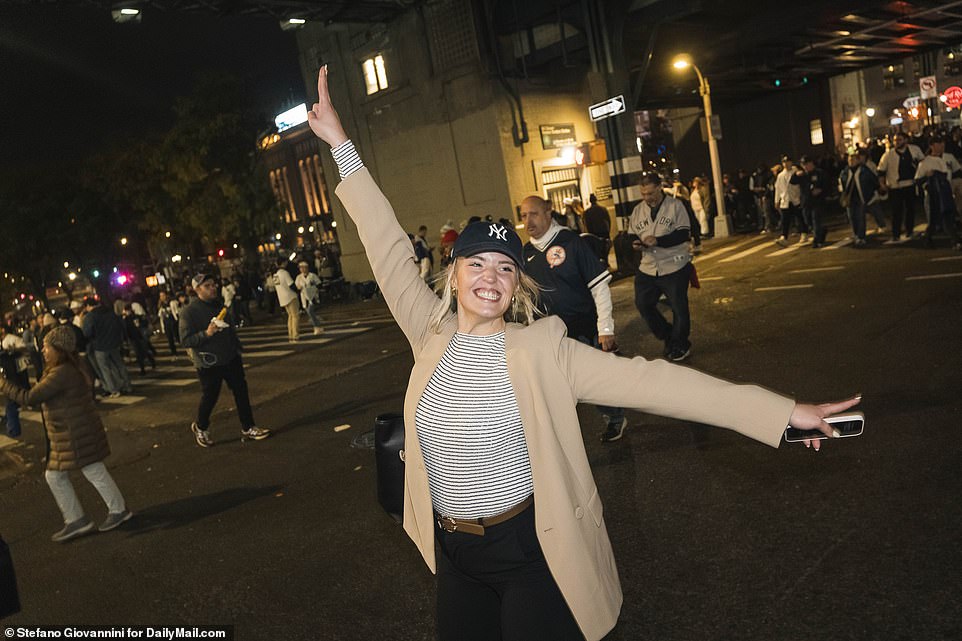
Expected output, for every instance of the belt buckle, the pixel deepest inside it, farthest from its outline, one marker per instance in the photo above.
(447, 523)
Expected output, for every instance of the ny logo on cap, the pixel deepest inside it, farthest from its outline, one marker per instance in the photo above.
(500, 231)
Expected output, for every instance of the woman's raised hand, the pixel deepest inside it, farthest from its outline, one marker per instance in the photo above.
(322, 118)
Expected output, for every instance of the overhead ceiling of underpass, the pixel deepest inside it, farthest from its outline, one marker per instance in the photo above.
(746, 47)
(328, 11)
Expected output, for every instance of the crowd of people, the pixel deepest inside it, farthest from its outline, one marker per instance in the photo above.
(893, 178)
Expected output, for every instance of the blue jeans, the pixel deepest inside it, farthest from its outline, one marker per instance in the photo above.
(856, 217)
(113, 371)
(12, 409)
(13, 419)
(312, 308)
(648, 290)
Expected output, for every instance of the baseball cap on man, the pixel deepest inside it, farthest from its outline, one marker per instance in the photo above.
(200, 279)
(483, 236)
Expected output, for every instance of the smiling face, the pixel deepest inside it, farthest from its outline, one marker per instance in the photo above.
(485, 284)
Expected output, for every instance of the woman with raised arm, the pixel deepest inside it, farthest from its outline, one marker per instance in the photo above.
(495, 467)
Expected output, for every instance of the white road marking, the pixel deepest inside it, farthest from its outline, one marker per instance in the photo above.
(817, 269)
(732, 247)
(836, 245)
(786, 250)
(6, 442)
(775, 289)
(128, 399)
(168, 382)
(707, 278)
(341, 428)
(934, 276)
(748, 252)
(270, 352)
(943, 258)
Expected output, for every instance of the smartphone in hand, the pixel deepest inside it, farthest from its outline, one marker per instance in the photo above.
(848, 424)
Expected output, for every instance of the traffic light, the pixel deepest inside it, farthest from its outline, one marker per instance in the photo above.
(777, 82)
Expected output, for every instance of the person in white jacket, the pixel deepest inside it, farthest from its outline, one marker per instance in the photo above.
(308, 284)
(788, 201)
(287, 298)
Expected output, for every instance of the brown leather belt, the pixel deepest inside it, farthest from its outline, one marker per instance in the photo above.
(476, 526)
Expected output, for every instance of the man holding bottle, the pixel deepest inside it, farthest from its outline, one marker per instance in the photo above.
(208, 334)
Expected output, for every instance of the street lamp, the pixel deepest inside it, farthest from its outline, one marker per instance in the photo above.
(683, 61)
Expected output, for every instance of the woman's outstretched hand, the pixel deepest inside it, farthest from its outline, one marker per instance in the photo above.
(322, 118)
(811, 417)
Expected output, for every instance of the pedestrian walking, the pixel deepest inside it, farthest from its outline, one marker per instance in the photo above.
(287, 298)
(574, 287)
(308, 285)
(104, 332)
(788, 200)
(858, 186)
(208, 332)
(896, 171)
(659, 228)
(813, 188)
(13, 362)
(136, 340)
(168, 321)
(75, 434)
(499, 496)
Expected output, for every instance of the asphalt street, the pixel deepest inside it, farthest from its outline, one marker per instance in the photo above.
(716, 537)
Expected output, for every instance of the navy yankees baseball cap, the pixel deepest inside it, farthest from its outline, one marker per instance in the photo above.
(483, 236)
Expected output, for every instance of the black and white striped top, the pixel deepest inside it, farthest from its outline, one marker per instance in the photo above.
(347, 159)
(469, 427)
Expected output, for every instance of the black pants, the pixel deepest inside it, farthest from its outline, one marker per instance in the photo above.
(170, 331)
(793, 212)
(902, 201)
(497, 587)
(648, 290)
(142, 353)
(210, 379)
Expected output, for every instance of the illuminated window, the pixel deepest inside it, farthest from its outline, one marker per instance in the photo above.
(375, 74)
(893, 76)
(952, 62)
(815, 129)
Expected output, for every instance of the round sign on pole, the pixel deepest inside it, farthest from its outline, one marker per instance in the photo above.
(953, 97)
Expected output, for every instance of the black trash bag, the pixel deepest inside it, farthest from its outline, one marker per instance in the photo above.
(389, 460)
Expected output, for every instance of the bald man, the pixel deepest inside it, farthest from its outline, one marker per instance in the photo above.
(575, 288)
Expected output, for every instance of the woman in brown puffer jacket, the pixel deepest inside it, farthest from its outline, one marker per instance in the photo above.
(75, 432)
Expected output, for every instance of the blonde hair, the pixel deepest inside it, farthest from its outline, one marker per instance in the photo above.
(524, 299)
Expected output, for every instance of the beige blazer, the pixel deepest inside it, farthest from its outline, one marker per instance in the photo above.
(550, 374)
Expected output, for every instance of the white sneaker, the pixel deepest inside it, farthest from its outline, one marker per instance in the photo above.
(318, 330)
(803, 239)
(781, 240)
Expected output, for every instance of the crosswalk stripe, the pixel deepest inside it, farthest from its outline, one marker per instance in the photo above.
(273, 352)
(786, 250)
(935, 276)
(817, 269)
(836, 245)
(165, 382)
(707, 278)
(742, 254)
(781, 287)
(127, 399)
(728, 248)
(944, 258)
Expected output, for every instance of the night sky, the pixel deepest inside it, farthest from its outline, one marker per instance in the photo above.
(73, 81)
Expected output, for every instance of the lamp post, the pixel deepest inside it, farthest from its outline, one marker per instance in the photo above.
(683, 61)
